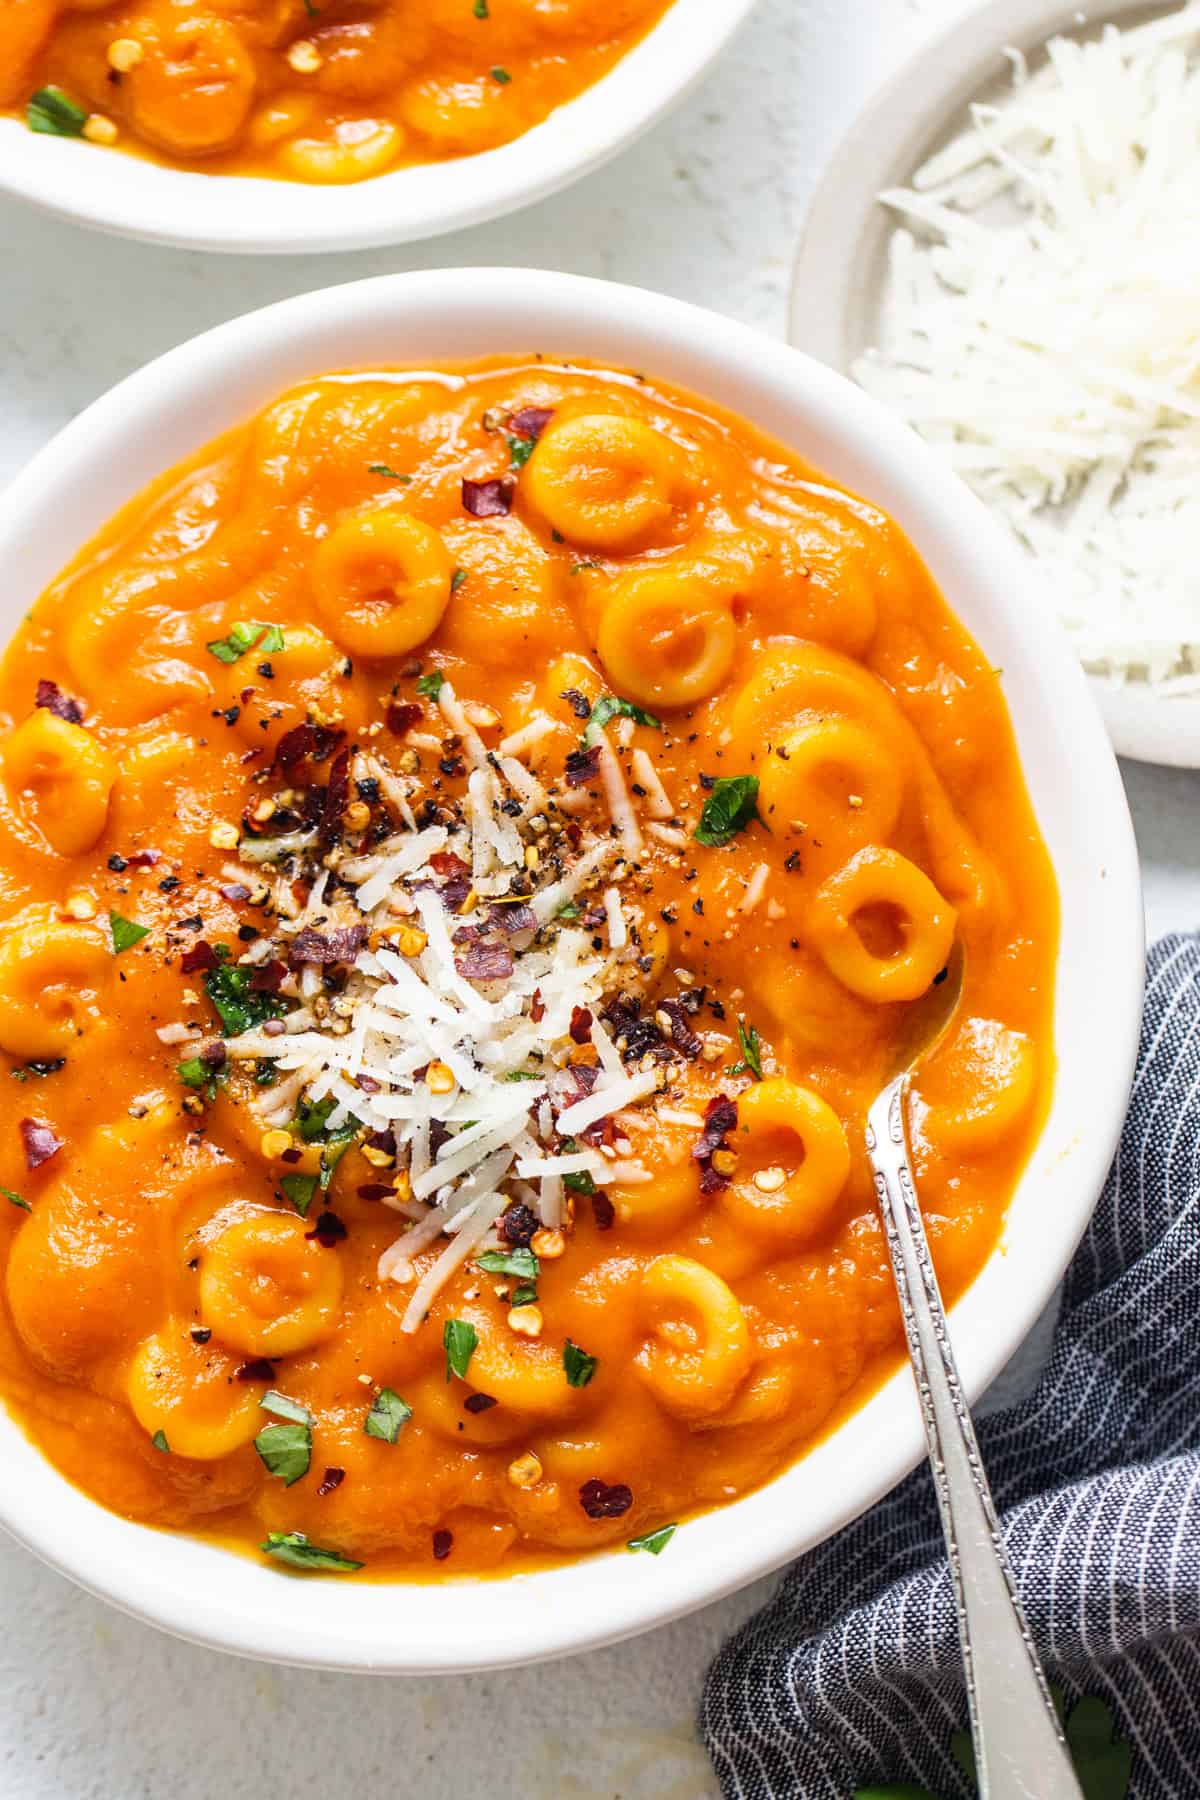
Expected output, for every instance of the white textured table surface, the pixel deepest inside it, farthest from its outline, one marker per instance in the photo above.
(707, 207)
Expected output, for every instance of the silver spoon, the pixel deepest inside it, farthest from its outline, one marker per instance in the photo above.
(1020, 1753)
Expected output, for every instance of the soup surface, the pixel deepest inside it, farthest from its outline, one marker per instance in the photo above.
(470, 843)
(306, 90)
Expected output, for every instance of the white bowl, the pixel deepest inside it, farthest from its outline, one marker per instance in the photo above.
(172, 407)
(226, 212)
(840, 285)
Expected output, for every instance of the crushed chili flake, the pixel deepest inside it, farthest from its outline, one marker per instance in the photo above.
(485, 962)
(265, 979)
(332, 1478)
(233, 891)
(720, 1118)
(581, 1025)
(583, 766)
(51, 697)
(39, 1142)
(307, 743)
(375, 1190)
(337, 796)
(518, 1224)
(260, 1370)
(531, 421)
(603, 1211)
(328, 1231)
(401, 716)
(578, 703)
(201, 956)
(488, 499)
(340, 946)
(537, 1006)
(682, 1035)
(144, 859)
(479, 1403)
(445, 863)
(213, 1055)
(602, 1500)
(443, 1543)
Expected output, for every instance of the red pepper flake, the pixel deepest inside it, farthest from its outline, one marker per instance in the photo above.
(443, 1543)
(143, 859)
(531, 421)
(200, 956)
(262, 1370)
(583, 766)
(332, 1478)
(38, 1142)
(306, 743)
(537, 1006)
(485, 962)
(266, 978)
(513, 918)
(337, 796)
(328, 1231)
(603, 1211)
(720, 1117)
(402, 715)
(479, 1403)
(579, 703)
(340, 946)
(51, 696)
(682, 1035)
(446, 864)
(233, 891)
(599, 1500)
(213, 1055)
(293, 1155)
(518, 1224)
(375, 1190)
(488, 499)
(581, 1025)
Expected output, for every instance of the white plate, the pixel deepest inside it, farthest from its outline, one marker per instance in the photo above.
(172, 407)
(132, 198)
(841, 268)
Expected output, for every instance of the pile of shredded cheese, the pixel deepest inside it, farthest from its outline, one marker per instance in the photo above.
(1042, 330)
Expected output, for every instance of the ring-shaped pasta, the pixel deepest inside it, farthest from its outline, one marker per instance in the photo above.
(882, 927)
(511, 599)
(603, 481)
(696, 1351)
(64, 775)
(190, 1393)
(192, 91)
(833, 779)
(979, 1088)
(794, 684)
(53, 973)
(381, 581)
(268, 1290)
(664, 641)
(663, 1203)
(525, 1375)
(441, 1407)
(358, 149)
(792, 1162)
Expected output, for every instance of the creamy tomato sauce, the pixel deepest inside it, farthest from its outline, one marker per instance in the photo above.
(307, 90)
(471, 840)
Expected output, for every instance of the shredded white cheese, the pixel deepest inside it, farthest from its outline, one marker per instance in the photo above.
(1042, 330)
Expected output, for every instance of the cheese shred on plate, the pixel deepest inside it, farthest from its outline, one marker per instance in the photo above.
(1042, 330)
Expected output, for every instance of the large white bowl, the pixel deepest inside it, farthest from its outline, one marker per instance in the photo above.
(176, 404)
(133, 198)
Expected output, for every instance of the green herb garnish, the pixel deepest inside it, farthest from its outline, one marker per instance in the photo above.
(581, 1182)
(284, 1408)
(568, 911)
(607, 707)
(431, 685)
(481, 9)
(459, 1338)
(125, 934)
(237, 1007)
(55, 113)
(730, 807)
(299, 1189)
(286, 1450)
(197, 1074)
(580, 1367)
(267, 638)
(387, 1417)
(519, 1261)
(751, 1048)
(581, 568)
(159, 1441)
(382, 469)
(654, 1541)
(502, 76)
(525, 1295)
(16, 1200)
(457, 579)
(520, 449)
(293, 1548)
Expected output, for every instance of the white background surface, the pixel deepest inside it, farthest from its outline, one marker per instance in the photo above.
(708, 207)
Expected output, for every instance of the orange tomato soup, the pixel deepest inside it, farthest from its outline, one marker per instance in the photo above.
(306, 90)
(471, 842)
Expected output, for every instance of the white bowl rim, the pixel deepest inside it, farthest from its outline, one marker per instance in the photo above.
(250, 215)
(183, 399)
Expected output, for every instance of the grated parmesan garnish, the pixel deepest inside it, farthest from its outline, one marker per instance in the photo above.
(1042, 331)
(465, 982)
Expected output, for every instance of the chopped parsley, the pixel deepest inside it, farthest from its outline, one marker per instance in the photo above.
(581, 1182)
(284, 1408)
(568, 910)
(125, 934)
(580, 1367)
(159, 1440)
(501, 76)
(459, 1338)
(457, 579)
(654, 1541)
(751, 1048)
(525, 1295)
(55, 113)
(520, 1262)
(267, 638)
(387, 1417)
(294, 1549)
(382, 469)
(16, 1200)
(286, 1451)
(236, 1005)
(299, 1190)
(520, 449)
(607, 707)
(195, 1073)
(730, 807)
(481, 9)
(312, 1122)
(431, 685)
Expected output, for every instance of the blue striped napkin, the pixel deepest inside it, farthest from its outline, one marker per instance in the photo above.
(851, 1676)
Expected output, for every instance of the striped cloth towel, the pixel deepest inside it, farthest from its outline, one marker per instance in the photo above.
(850, 1677)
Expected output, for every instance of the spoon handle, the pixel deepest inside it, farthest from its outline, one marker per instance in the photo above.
(1019, 1749)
